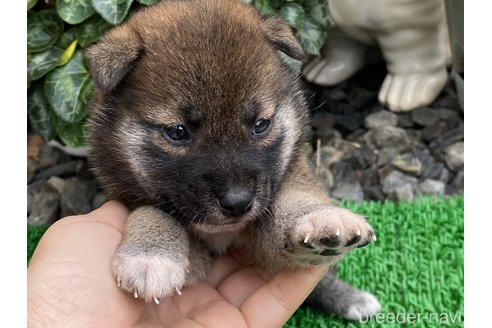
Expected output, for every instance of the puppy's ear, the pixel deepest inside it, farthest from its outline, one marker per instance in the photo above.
(113, 57)
(280, 35)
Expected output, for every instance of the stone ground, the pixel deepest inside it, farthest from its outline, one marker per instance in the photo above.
(364, 152)
(360, 151)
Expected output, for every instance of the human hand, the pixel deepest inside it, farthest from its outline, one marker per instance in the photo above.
(70, 284)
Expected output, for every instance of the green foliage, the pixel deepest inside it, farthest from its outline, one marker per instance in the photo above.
(59, 85)
(74, 11)
(113, 11)
(310, 19)
(43, 29)
(68, 89)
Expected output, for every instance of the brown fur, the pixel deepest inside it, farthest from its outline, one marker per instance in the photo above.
(212, 66)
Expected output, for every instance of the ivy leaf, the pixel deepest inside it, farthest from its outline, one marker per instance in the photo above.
(72, 134)
(91, 30)
(39, 112)
(311, 36)
(148, 2)
(264, 7)
(319, 11)
(68, 89)
(293, 13)
(277, 4)
(43, 28)
(40, 63)
(317, 22)
(67, 54)
(31, 3)
(74, 11)
(66, 39)
(113, 11)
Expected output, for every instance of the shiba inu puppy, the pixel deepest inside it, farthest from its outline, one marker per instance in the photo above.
(197, 125)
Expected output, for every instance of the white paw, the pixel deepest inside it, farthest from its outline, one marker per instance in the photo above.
(402, 93)
(150, 277)
(366, 306)
(329, 232)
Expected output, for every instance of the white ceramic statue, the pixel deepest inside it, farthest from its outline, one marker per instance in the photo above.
(413, 38)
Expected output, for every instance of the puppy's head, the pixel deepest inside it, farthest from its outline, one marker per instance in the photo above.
(194, 112)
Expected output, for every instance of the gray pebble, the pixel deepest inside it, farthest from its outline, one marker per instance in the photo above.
(346, 184)
(436, 171)
(32, 168)
(76, 196)
(63, 169)
(446, 113)
(405, 120)
(329, 155)
(44, 206)
(403, 192)
(397, 179)
(359, 97)
(390, 136)
(431, 187)
(425, 116)
(48, 156)
(380, 119)
(99, 199)
(454, 156)
(57, 183)
(386, 155)
(408, 163)
(456, 185)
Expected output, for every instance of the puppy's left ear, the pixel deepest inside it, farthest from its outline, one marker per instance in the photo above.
(280, 36)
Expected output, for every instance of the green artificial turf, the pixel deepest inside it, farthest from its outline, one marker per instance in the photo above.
(415, 268)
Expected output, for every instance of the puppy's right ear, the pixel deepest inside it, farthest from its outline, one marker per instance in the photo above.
(113, 57)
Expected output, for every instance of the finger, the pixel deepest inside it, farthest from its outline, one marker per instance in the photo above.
(240, 285)
(273, 304)
(222, 267)
(111, 213)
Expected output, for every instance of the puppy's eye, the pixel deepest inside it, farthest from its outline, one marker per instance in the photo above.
(261, 127)
(176, 133)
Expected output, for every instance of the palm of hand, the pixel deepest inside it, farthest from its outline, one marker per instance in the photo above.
(70, 284)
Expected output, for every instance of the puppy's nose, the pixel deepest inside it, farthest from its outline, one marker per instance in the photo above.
(236, 201)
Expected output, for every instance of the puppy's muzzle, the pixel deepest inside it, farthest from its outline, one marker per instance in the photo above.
(236, 201)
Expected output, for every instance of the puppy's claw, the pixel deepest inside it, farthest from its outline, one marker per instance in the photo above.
(187, 271)
(135, 294)
(374, 238)
(118, 283)
(338, 232)
(156, 300)
(306, 240)
(178, 291)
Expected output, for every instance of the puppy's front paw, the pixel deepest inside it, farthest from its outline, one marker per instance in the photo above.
(150, 277)
(327, 233)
